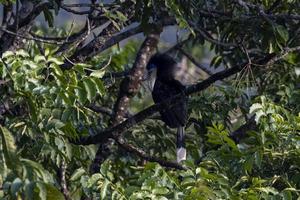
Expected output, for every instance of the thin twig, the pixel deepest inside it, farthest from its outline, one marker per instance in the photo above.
(75, 11)
(31, 38)
(194, 61)
(86, 5)
(209, 38)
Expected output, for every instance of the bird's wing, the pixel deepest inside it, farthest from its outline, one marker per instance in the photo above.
(175, 115)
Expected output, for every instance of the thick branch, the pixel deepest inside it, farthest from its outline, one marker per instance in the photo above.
(117, 130)
(105, 40)
(75, 11)
(63, 181)
(102, 110)
(129, 87)
(131, 84)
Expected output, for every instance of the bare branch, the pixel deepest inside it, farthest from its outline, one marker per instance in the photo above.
(91, 50)
(117, 38)
(86, 5)
(75, 11)
(102, 110)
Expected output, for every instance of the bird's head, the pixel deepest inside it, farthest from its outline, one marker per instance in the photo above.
(161, 66)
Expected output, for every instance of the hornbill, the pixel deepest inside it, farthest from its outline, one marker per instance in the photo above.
(161, 75)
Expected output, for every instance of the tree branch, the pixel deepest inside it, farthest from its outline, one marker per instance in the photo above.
(210, 39)
(75, 11)
(131, 84)
(25, 18)
(47, 41)
(128, 88)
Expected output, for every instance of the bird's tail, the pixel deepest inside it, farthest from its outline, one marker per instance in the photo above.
(181, 151)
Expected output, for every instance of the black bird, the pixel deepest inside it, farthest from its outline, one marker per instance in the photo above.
(161, 72)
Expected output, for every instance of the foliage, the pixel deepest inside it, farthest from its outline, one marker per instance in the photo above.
(44, 105)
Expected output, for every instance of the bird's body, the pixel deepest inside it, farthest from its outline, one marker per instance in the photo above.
(165, 87)
(175, 115)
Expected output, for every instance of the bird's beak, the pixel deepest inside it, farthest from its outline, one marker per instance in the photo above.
(147, 74)
(149, 77)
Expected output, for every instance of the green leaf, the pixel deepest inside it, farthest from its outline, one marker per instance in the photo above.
(216, 61)
(258, 158)
(8, 54)
(39, 58)
(69, 130)
(160, 190)
(99, 86)
(57, 70)
(55, 60)
(287, 195)
(81, 93)
(268, 190)
(66, 98)
(282, 33)
(121, 16)
(39, 169)
(98, 73)
(53, 193)
(80, 67)
(16, 186)
(77, 174)
(22, 53)
(248, 165)
(48, 17)
(42, 190)
(90, 88)
(29, 190)
(9, 149)
(255, 107)
(104, 189)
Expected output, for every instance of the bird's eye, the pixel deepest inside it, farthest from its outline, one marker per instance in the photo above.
(152, 66)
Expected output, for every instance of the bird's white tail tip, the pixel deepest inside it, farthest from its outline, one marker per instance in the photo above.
(181, 154)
